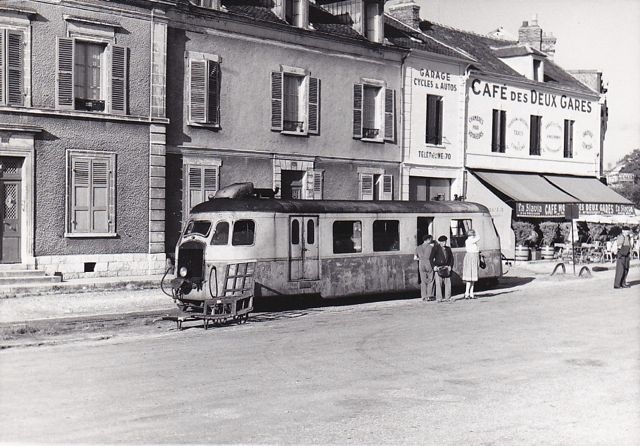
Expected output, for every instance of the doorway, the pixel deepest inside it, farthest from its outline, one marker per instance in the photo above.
(291, 181)
(427, 189)
(304, 261)
(10, 209)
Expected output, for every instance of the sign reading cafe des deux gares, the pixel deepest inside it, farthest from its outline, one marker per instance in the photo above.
(553, 106)
(435, 114)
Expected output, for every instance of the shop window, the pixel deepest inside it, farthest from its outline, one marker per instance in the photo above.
(534, 135)
(91, 193)
(376, 187)
(386, 235)
(373, 113)
(221, 234)
(205, 76)
(459, 231)
(498, 133)
(347, 237)
(295, 102)
(434, 119)
(84, 68)
(243, 233)
(12, 67)
(568, 138)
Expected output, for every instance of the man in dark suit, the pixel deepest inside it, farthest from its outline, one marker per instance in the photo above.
(442, 263)
(623, 258)
(427, 279)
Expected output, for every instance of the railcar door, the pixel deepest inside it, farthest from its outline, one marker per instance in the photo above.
(304, 261)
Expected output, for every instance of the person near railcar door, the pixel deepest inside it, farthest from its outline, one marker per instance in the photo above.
(470, 264)
(442, 263)
(427, 279)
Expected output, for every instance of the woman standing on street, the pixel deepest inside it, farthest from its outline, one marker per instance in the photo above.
(470, 264)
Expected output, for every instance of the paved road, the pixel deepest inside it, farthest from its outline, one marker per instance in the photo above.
(555, 362)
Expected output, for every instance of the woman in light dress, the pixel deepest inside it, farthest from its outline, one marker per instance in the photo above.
(470, 264)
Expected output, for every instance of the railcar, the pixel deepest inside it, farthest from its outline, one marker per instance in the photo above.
(330, 248)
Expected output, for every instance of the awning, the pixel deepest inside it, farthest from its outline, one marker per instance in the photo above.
(530, 194)
(595, 198)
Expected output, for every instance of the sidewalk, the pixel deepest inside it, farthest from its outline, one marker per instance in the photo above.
(85, 298)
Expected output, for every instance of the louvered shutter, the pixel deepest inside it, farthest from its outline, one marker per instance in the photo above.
(2, 64)
(431, 120)
(276, 100)
(99, 196)
(197, 91)
(213, 92)
(314, 106)
(389, 114)
(366, 186)
(357, 110)
(118, 80)
(210, 182)
(495, 131)
(386, 187)
(503, 130)
(15, 67)
(194, 188)
(64, 81)
(80, 195)
(439, 114)
(317, 184)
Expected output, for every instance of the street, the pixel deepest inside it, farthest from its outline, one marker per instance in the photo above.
(545, 362)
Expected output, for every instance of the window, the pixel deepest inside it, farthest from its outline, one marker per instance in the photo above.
(434, 119)
(91, 193)
(568, 138)
(386, 235)
(295, 102)
(459, 230)
(243, 233)
(534, 135)
(221, 234)
(210, 4)
(12, 67)
(498, 133)
(373, 113)
(311, 232)
(202, 184)
(204, 89)
(84, 71)
(538, 74)
(295, 232)
(347, 237)
(200, 227)
(376, 187)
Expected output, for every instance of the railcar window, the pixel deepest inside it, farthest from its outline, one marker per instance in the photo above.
(295, 232)
(347, 237)
(221, 234)
(386, 235)
(459, 230)
(311, 234)
(243, 233)
(200, 227)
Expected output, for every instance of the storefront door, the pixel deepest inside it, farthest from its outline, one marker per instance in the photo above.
(10, 199)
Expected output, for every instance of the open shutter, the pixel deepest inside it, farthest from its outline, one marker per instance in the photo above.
(495, 131)
(64, 81)
(2, 65)
(431, 119)
(389, 114)
(100, 195)
(439, 103)
(317, 184)
(213, 107)
(276, 100)
(314, 106)
(386, 192)
(210, 182)
(118, 80)
(15, 67)
(194, 189)
(366, 186)
(197, 91)
(80, 195)
(357, 110)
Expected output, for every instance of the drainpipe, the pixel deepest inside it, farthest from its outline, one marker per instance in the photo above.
(465, 128)
(403, 72)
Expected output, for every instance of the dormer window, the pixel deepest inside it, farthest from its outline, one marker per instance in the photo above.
(538, 71)
(294, 12)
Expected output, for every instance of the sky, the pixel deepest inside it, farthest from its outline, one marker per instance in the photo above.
(591, 34)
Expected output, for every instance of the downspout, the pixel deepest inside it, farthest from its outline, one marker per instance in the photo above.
(464, 131)
(403, 72)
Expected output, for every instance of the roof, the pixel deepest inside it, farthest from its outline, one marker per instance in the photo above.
(336, 206)
(516, 51)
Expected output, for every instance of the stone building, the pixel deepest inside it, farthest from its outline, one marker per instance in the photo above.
(77, 136)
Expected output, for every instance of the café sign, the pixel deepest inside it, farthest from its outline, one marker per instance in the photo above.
(557, 210)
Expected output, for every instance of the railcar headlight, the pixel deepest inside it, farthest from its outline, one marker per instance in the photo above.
(183, 271)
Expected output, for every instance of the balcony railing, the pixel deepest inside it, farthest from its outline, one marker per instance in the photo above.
(370, 133)
(293, 126)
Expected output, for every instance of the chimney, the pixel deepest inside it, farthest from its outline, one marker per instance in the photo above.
(531, 34)
(408, 12)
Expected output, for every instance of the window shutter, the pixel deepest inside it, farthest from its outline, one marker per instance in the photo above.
(65, 81)
(387, 187)
(358, 92)
(80, 195)
(276, 100)
(197, 93)
(314, 184)
(213, 107)
(2, 65)
(439, 121)
(503, 130)
(366, 186)
(431, 119)
(314, 106)
(15, 61)
(194, 189)
(118, 80)
(100, 196)
(389, 114)
(495, 131)
(210, 182)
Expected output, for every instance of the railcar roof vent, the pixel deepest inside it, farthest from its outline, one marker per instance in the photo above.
(245, 190)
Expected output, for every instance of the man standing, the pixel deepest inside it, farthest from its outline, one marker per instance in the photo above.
(427, 281)
(623, 258)
(442, 263)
